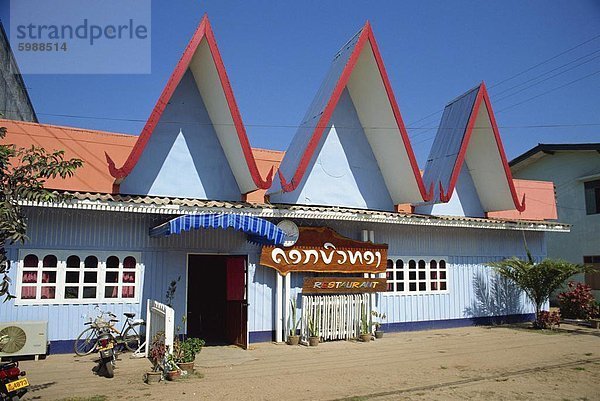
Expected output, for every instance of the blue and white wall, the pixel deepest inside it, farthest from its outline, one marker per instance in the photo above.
(467, 252)
(163, 259)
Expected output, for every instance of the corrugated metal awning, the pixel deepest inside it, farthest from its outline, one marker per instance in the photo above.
(260, 230)
(182, 206)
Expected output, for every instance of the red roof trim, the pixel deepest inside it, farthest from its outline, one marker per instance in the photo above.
(482, 96)
(204, 30)
(365, 35)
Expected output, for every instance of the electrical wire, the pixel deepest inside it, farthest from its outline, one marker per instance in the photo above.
(549, 71)
(549, 91)
(566, 125)
(544, 80)
(517, 104)
(494, 85)
(545, 61)
(422, 127)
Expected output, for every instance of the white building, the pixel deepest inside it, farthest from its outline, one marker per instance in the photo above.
(575, 171)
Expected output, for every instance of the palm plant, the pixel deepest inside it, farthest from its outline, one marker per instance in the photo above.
(365, 322)
(293, 322)
(313, 324)
(537, 280)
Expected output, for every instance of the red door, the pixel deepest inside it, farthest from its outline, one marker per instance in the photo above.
(236, 315)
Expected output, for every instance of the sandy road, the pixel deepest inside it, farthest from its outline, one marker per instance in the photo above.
(470, 363)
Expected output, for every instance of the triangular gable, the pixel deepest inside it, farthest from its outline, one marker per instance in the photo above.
(358, 67)
(203, 59)
(183, 158)
(468, 137)
(463, 202)
(344, 171)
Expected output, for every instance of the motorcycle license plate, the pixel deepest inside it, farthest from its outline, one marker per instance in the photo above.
(108, 346)
(17, 385)
(106, 352)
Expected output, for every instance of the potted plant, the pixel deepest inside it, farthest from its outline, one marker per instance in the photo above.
(156, 354)
(186, 351)
(293, 337)
(377, 323)
(313, 330)
(172, 371)
(365, 327)
(185, 348)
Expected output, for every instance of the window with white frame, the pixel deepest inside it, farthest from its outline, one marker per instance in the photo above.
(416, 275)
(77, 277)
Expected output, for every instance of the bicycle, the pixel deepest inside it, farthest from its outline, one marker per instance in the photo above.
(129, 336)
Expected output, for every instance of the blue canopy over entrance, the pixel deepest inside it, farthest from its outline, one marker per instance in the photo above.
(259, 230)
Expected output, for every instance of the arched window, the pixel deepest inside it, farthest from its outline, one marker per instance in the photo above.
(73, 262)
(111, 290)
(78, 278)
(30, 261)
(49, 272)
(433, 275)
(129, 262)
(416, 275)
(443, 278)
(112, 262)
(73, 277)
(50, 261)
(91, 262)
(90, 277)
(129, 277)
(29, 276)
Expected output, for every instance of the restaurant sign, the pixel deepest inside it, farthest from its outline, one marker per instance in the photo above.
(343, 285)
(321, 249)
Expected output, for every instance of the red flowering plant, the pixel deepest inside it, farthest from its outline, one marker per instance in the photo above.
(577, 302)
(548, 320)
(158, 351)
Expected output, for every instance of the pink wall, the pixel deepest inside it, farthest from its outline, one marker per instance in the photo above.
(540, 202)
(265, 159)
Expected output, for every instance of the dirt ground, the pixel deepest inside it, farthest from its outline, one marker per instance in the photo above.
(475, 363)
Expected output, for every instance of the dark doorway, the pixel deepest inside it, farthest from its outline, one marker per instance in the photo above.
(217, 310)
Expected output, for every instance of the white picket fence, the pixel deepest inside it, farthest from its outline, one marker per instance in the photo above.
(159, 317)
(339, 316)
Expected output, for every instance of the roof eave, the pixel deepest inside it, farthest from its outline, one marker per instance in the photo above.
(552, 147)
(124, 204)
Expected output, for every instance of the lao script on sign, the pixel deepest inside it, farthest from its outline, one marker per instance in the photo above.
(321, 249)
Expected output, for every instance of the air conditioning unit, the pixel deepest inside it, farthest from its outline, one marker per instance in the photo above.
(23, 338)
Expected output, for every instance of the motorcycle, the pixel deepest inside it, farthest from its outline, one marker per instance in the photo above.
(13, 384)
(106, 351)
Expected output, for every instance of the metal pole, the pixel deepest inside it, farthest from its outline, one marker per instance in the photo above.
(287, 281)
(278, 299)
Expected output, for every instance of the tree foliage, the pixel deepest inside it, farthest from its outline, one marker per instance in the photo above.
(537, 280)
(23, 174)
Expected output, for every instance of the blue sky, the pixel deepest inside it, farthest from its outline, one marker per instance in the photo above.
(277, 52)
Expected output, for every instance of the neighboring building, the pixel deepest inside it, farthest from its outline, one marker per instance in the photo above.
(575, 170)
(184, 200)
(14, 99)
